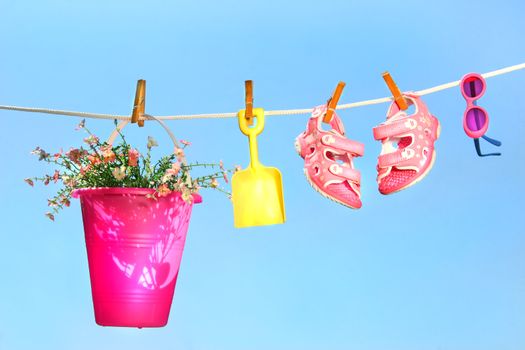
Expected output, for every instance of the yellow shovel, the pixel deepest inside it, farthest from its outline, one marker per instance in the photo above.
(257, 192)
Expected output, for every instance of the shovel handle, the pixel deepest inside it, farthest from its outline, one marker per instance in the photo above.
(243, 123)
(252, 132)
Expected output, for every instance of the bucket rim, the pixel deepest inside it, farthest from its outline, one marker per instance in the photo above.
(77, 193)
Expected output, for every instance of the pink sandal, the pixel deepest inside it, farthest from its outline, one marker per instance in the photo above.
(328, 158)
(408, 151)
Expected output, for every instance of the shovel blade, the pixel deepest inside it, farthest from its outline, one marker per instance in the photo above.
(257, 196)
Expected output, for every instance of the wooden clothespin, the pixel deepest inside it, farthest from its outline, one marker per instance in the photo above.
(398, 96)
(248, 86)
(139, 107)
(332, 102)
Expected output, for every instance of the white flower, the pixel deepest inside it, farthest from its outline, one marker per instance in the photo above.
(165, 178)
(119, 173)
(152, 142)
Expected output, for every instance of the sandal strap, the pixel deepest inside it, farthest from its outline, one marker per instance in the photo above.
(394, 128)
(342, 143)
(345, 172)
(398, 158)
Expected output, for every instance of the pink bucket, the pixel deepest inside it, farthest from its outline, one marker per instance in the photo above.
(134, 246)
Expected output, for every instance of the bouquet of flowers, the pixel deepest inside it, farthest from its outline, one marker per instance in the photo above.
(100, 164)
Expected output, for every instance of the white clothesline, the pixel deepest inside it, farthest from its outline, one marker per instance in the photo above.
(267, 113)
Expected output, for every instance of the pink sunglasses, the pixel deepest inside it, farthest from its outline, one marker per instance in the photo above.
(475, 118)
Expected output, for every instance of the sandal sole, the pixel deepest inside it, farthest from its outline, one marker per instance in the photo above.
(318, 190)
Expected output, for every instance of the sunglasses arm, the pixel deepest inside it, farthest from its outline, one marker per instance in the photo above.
(494, 142)
(478, 150)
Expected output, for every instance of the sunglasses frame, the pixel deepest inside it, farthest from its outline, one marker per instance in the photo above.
(471, 105)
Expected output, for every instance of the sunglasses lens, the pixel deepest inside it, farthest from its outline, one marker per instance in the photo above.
(476, 119)
(473, 86)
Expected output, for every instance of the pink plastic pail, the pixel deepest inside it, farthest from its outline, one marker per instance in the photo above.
(134, 247)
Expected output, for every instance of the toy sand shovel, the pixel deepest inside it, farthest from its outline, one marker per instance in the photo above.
(257, 192)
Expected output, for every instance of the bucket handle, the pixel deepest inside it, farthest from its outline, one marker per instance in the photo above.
(122, 124)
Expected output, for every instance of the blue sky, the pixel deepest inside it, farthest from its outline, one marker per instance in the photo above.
(438, 266)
